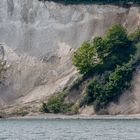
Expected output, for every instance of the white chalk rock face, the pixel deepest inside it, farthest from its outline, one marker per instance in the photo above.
(39, 42)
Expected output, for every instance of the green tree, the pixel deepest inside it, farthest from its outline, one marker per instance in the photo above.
(98, 44)
(114, 61)
(135, 36)
(53, 105)
(84, 58)
(106, 53)
(118, 48)
(110, 62)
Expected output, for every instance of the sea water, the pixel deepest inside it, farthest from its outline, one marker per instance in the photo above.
(70, 129)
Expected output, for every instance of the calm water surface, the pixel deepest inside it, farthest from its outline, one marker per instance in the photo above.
(36, 129)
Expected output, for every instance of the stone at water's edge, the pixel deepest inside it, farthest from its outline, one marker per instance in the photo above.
(40, 41)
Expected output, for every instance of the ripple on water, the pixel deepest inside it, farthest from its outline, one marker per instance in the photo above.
(69, 129)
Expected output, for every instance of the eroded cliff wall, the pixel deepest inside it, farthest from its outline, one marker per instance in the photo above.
(39, 42)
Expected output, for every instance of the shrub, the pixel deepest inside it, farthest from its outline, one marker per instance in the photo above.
(116, 53)
(56, 105)
(135, 36)
(110, 62)
(83, 58)
(20, 112)
(118, 81)
(53, 105)
(104, 54)
(75, 109)
(118, 48)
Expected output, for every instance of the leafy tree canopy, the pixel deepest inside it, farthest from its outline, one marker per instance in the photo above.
(112, 70)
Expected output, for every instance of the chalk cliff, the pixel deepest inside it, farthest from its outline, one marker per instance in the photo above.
(39, 42)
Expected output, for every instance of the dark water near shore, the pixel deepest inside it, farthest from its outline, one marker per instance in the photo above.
(56, 129)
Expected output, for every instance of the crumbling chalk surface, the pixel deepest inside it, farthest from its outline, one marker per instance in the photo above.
(40, 41)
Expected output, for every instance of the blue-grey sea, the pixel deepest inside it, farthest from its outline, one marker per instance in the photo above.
(70, 129)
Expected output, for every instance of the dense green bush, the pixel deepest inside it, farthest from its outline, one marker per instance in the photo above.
(135, 36)
(107, 65)
(83, 58)
(56, 105)
(102, 54)
(112, 73)
(117, 47)
(53, 105)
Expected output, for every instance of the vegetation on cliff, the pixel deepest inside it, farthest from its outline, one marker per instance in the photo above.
(95, 1)
(116, 60)
(108, 63)
(56, 105)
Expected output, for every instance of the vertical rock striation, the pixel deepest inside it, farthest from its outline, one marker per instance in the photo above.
(39, 42)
